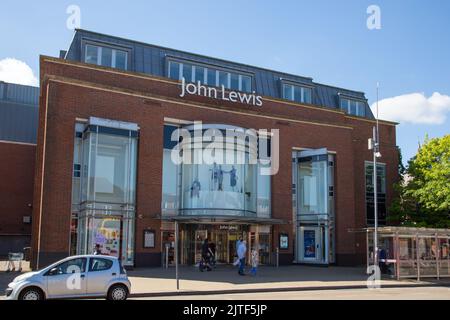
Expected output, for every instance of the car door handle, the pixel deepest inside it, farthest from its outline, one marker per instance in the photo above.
(114, 274)
(82, 276)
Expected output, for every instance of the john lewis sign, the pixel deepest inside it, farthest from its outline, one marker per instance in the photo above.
(219, 94)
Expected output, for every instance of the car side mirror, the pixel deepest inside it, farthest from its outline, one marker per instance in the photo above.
(53, 271)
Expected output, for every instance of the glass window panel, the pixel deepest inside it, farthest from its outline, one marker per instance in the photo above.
(199, 74)
(246, 84)
(211, 75)
(234, 81)
(264, 192)
(112, 168)
(307, 95)
(106, 57)
(313, 187)
(361, 109)
(353, 107)
(287, 92)
(174, 70)
(297, 94)
(91, 54)
(223, 79)
(100, 264)
(344, 104)
(68, 267)
(187, 72)
(121, 60)
(170, 192)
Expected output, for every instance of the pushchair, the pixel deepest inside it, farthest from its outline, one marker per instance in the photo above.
(205, 263)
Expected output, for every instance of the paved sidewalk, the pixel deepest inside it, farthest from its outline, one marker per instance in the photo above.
(161, 282)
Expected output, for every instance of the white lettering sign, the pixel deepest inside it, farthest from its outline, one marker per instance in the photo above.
(221, 94)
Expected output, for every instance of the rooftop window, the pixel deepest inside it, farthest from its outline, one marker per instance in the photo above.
(353, 107)
(297, 93)
(210, 76)
(106, 56)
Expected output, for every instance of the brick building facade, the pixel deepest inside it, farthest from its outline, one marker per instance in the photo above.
(81, 100)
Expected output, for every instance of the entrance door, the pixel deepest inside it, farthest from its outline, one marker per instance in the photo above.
(200, 236)
(311, 244)
(106, 232)
(220, 240)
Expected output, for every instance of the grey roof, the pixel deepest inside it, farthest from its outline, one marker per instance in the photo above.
(18, 112)
(152, 59)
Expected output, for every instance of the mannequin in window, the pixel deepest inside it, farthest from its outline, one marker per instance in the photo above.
(214, 176)
(195, 189)
(220, 178)
(233, 177)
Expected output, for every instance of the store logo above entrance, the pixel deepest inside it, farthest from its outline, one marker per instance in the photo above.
(228, 227)
(220, 94)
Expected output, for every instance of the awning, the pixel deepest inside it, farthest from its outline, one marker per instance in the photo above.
(223, 219)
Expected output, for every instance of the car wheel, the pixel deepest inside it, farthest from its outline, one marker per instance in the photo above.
(31, 293)
(118, 292)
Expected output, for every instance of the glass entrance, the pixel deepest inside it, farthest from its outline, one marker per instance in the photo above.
(311, 244)
(222, 237)
(313, 195)
(113, 234)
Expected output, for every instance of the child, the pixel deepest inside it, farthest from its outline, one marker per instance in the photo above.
(255, 261)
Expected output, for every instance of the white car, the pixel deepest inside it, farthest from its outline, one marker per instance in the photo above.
(73, 277)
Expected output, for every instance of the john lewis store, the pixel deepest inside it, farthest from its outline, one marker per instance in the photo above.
(127, 109)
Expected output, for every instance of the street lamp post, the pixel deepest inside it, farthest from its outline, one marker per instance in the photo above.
(374, 145)
(375, 200)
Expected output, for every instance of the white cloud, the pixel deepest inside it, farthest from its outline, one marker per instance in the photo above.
(16, 71)
(414, 108)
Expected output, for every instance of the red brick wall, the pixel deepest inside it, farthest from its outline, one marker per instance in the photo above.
(78, 90)
(16, 187)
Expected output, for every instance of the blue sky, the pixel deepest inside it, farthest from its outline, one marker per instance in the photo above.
(326, 40)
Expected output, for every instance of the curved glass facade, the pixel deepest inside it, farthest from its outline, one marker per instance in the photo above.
(222, 180)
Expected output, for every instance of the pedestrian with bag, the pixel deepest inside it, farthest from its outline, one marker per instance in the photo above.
(254, 262)
(241, 252)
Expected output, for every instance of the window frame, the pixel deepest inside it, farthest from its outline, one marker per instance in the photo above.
(381, 196)
(302, 88)
(207, 69)
(114, 50)
(360, 106)
(84, 264)
(91, 263)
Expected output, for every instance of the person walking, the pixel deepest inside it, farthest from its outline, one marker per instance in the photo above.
(212, 252)
(242, 250)
(205, 264)
(254, 261)
(236, 258)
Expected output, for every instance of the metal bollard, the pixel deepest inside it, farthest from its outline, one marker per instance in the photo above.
(167, 256)
(278, 257)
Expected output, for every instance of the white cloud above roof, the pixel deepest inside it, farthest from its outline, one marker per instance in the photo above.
(414, 108)
(16, 71)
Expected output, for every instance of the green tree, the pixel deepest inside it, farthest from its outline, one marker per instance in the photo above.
(423, 195)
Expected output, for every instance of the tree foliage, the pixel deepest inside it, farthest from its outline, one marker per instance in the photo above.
(424, 192)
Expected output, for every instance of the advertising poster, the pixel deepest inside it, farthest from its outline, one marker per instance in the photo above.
(309, 243)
